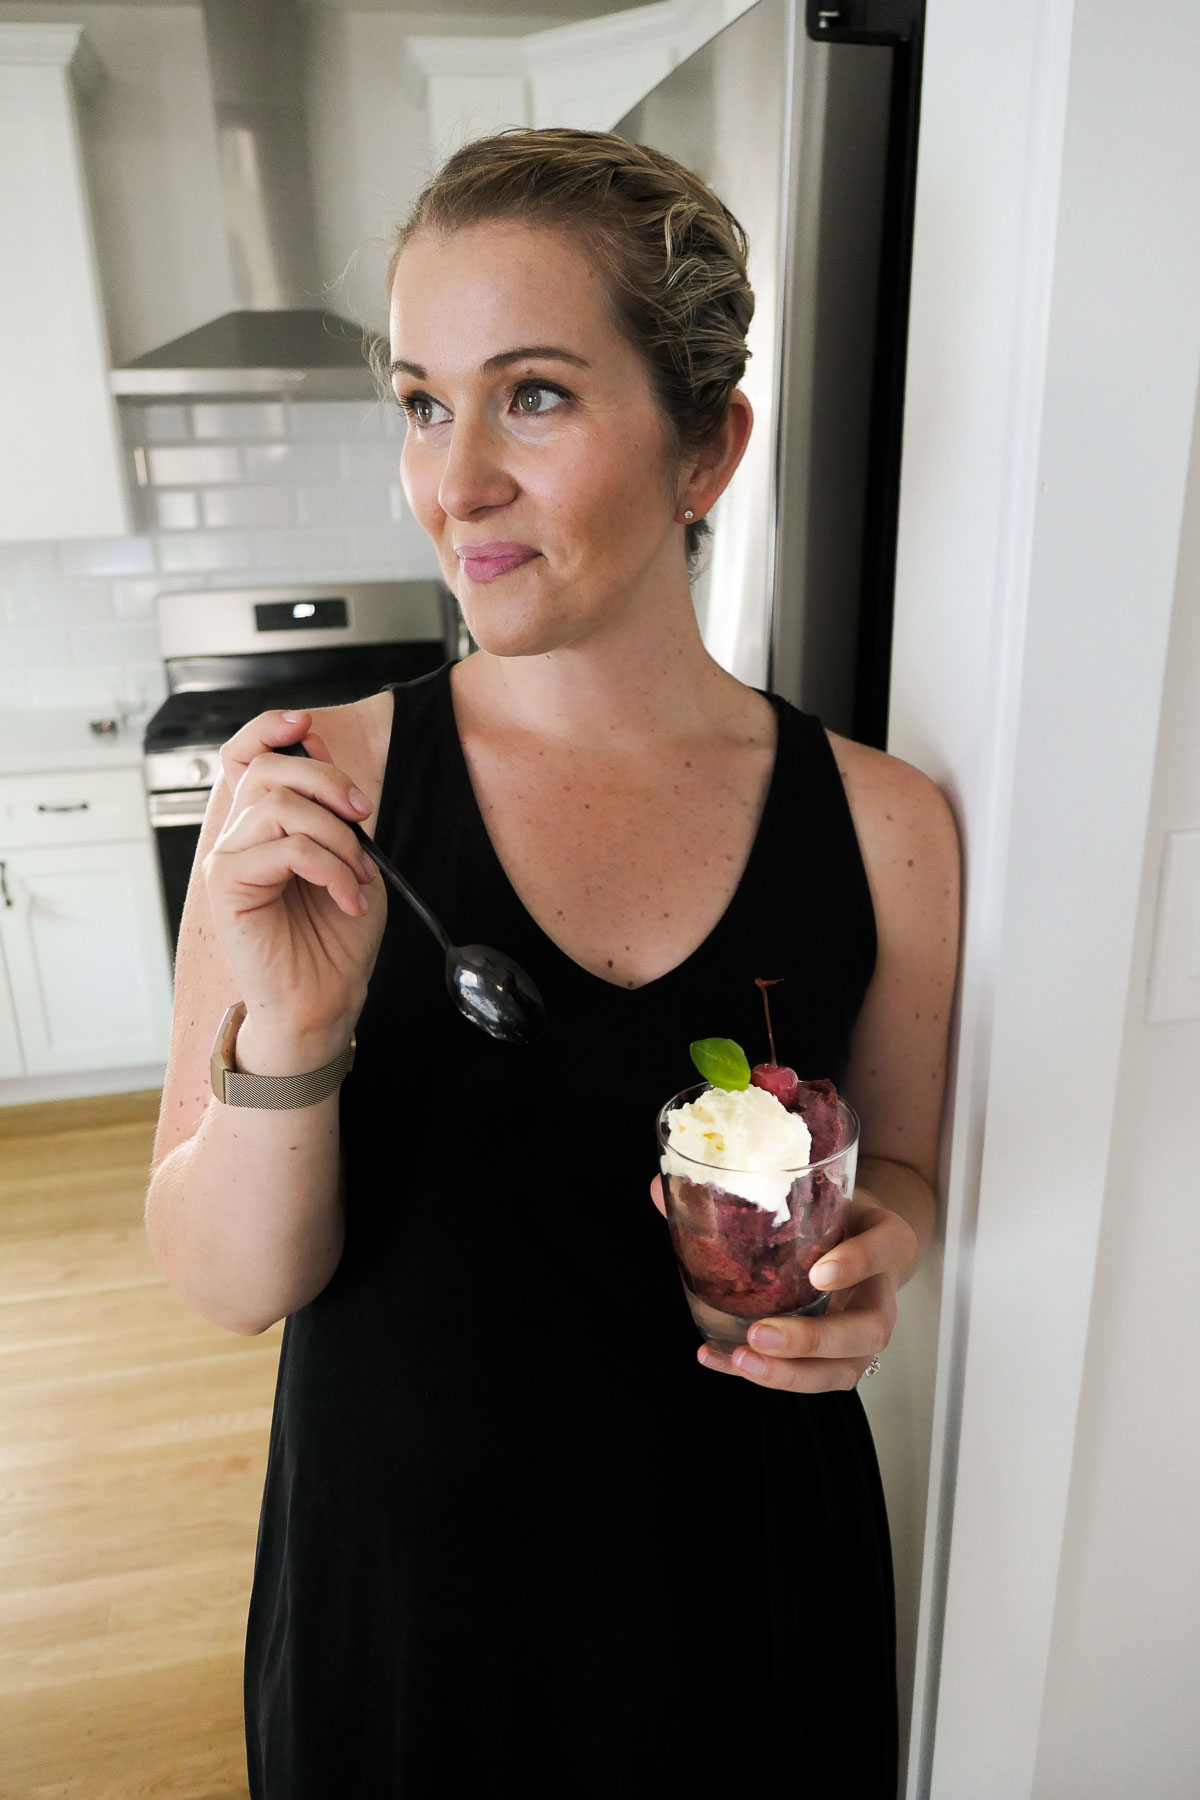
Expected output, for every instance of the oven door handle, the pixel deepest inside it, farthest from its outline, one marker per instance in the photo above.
(177, 809)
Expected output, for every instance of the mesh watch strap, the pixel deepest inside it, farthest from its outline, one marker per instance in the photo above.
(272, 1093)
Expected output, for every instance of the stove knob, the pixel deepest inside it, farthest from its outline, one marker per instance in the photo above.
(199, 770)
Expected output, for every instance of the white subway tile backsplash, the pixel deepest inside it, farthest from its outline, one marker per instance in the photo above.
(90, 684)
(135, 599)
(304, 553)
(194, 465)
(224, 495)
(250, 505)
(33, 646)
(159, 424)
(14, 687)
(392, 552)
(291, 462)
(205, 550)
(107, 556)
(174, 510)
(28, 562)
(331, 421)
(115, 643)
(370, 462)
(345, 503)
(249, 419)
(57, 602)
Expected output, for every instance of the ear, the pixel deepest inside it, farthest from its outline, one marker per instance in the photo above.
(707, 472)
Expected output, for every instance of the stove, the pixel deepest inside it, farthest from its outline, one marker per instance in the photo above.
(233, 653)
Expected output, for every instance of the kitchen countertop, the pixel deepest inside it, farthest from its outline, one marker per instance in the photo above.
(31, 743)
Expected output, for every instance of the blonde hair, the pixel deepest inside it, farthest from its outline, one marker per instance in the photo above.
(672, 255)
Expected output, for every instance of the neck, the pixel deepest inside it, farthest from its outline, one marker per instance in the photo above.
(646, 677)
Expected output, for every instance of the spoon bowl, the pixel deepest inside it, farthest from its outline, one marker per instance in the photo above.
(487, 987)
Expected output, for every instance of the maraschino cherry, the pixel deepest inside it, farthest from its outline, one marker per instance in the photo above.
(784, 1083)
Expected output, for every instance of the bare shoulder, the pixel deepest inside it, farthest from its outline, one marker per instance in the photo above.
(357, 737)
(909, 845)
(906, 830)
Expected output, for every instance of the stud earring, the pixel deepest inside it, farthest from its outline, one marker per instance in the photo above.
(689, 514)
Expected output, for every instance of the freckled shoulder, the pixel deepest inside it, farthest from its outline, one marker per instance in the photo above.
(903, 821)
(357, 736)
(909, 846)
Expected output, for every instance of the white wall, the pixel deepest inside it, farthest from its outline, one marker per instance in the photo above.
(1121, 1714)
(370, 139)
(1054, 357)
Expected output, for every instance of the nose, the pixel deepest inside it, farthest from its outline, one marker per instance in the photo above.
(474, 476)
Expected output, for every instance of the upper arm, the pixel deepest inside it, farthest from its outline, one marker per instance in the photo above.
(909, 842)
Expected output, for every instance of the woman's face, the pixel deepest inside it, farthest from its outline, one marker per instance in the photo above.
(536, 457)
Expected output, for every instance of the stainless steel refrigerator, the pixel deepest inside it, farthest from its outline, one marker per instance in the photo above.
(803, 119)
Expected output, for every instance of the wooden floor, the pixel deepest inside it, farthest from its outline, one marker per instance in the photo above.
(132, 1446)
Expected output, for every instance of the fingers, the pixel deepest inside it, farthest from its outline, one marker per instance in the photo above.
(656, 1194)
(880, 1242)
(822, 1377)
(813, 1355)
(319, 781)
(251, 769)
(266, 732)
(280, 812)
(256, 876)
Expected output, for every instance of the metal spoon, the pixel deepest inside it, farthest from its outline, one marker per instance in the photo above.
(488, 988)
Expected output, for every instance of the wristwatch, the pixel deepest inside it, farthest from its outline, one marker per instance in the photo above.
(274, 1093)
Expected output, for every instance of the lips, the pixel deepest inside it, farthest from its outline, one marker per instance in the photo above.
(486, 562)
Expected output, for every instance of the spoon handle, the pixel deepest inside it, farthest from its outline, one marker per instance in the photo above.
(386, 866)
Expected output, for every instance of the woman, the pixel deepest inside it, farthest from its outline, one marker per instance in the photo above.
(511, 1529)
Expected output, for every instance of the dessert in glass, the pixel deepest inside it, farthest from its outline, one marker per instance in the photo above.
(756, 1190)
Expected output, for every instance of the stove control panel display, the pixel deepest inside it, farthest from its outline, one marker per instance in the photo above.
(301, 615)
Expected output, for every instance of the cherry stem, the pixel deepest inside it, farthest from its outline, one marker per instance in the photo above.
(762, 987)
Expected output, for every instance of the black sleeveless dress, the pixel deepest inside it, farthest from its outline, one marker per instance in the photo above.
(513, 1533)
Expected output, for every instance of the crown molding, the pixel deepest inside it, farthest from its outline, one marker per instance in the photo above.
(52, 46)
(609, 34)
(437, 57)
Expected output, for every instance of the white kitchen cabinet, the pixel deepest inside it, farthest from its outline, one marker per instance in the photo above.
(61, 469)
(12, 1062)
(81, 926)
(86, 992)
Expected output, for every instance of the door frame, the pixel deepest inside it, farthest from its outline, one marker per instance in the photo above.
(1052, 378)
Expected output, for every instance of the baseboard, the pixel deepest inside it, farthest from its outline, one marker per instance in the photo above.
(37, 1103)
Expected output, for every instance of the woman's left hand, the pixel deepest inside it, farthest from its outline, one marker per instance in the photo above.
(815, 1355)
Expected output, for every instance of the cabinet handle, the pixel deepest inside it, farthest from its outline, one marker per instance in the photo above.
(4, 893)
(71, 806)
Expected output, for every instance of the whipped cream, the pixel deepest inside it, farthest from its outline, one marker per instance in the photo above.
(749, 1142)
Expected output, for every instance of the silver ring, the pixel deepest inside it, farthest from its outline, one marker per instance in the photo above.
(872, 1368)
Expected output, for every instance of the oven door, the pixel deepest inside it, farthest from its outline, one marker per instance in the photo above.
(176, 819)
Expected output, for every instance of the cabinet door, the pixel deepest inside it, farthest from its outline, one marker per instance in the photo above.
(12, 1063)
(61, 473)
(87, 957)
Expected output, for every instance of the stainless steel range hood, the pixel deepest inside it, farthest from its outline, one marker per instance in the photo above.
(280, 340)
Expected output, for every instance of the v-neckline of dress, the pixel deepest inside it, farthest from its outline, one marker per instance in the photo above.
(478, 827)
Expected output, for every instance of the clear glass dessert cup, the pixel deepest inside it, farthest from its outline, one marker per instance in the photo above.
(736, 1261)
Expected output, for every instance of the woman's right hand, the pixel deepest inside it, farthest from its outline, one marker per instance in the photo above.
(297, 905)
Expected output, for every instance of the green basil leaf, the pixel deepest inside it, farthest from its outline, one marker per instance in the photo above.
(721, 1062)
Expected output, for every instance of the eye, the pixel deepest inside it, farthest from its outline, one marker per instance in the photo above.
(535, 397)
(422, 410)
